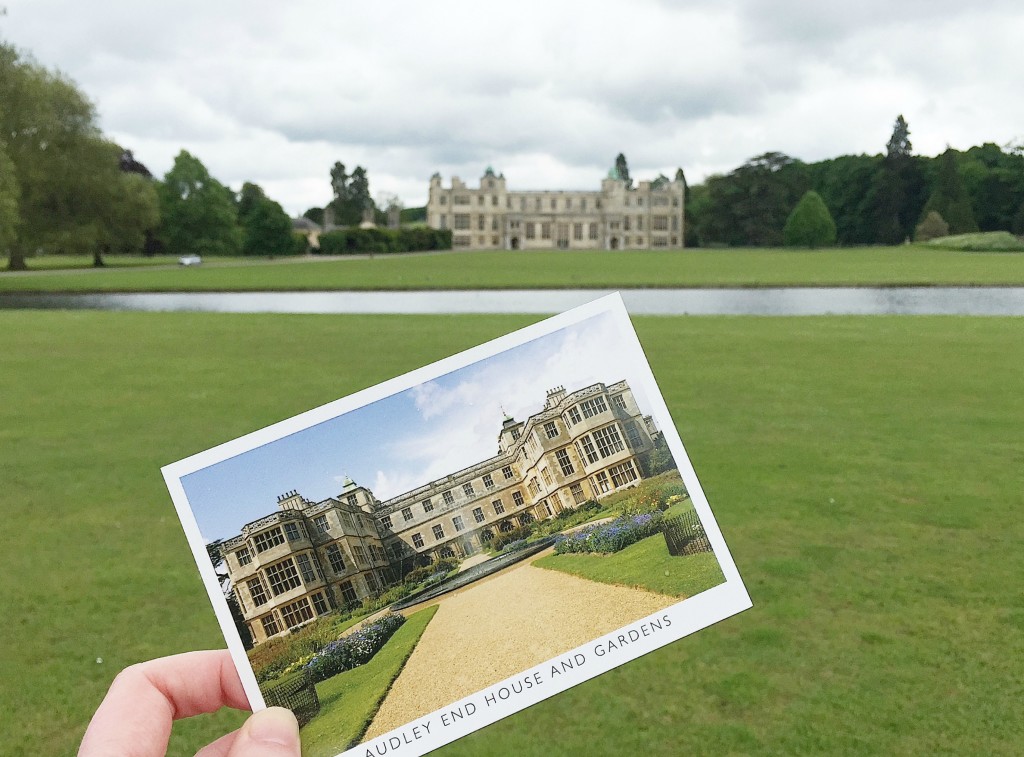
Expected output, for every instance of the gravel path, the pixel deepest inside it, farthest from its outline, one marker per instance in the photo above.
(500, 626)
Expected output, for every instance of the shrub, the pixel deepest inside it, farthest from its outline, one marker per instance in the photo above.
(300, 243)
(932, 227)
(810, 224)
(565, 513)
(355, 649)
(501, 539)
(276, 656)
(410, 239)
(986, 241)
(646, 498)
(611, 537)
(439, 566)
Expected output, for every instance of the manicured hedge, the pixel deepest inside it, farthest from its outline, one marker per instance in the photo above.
(367, 241)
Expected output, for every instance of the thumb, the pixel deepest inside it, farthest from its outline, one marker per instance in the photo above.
(272, 732)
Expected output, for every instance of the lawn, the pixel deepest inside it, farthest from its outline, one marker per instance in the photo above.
(644, 565)
(84, 262)
(349, 701)
(866, 473)
(876, 266)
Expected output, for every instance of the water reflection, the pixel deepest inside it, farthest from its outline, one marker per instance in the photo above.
(780, 301)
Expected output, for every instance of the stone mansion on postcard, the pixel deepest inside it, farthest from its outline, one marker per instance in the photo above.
(648, 216)
(311, 557)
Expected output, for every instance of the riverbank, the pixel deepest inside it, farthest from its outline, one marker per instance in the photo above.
(908, 265)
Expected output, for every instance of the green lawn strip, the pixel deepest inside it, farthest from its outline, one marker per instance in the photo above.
(73, 262)
(644, 565)
(864, 471)
(349, 701)
(873, 266)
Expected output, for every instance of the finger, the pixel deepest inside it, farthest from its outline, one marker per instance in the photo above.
(272, 732)
(219, 748)
(135, 717)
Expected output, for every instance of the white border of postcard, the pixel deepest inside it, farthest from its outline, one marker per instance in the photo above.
(498, 700)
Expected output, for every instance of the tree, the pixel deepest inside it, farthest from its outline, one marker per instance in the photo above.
(62, 165)
(129, 164)
(10, 194)
(844, 184)
(351, 195)
(810, 224)
(750, 205)
(994, 180)
(128, 216)
(897, 189)
(622, 169)
(932, 227)
(899, 145)
(266, 228)
(949, 199)
(198, 213)
(316, 215)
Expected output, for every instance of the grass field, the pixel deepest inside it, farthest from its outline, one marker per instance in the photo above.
(866, 473)
(881, 266)
(84, 262)
(349, 701)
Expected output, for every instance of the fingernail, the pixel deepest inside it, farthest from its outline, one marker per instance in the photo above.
(274, 725)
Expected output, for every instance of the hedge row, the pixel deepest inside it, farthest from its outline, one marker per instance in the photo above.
(368, 241)
(355, 649)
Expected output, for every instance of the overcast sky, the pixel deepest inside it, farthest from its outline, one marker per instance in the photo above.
(408, 439)
(546, 92)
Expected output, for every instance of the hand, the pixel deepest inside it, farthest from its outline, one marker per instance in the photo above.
(134, 719)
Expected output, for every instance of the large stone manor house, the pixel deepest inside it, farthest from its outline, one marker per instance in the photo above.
(308, 558)
(490, 216)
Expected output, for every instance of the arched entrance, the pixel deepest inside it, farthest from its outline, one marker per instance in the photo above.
(515, 243)
(614, 244)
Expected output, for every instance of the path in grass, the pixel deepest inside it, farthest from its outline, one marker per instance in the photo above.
(498, 627)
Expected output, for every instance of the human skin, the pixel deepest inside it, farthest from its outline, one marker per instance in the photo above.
(135, 717)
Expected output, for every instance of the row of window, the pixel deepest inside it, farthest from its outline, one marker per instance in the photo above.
(600, 444)
(448, 497)
(658, 223)
(458, 523)
(621, 475)
(296, 613)
(284, 576)
(537, 204)
(568, 203)
(291, 532)
(563, 232)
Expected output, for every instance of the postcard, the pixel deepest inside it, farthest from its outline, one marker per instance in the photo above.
(413, 562)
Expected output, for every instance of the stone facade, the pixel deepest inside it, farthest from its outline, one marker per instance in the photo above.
(648, 216)
(311, 557)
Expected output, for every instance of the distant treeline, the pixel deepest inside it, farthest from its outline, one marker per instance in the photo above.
(370, 241)
(873, 199)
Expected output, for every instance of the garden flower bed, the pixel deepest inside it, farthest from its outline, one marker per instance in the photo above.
(610, 537)
(355, 649)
